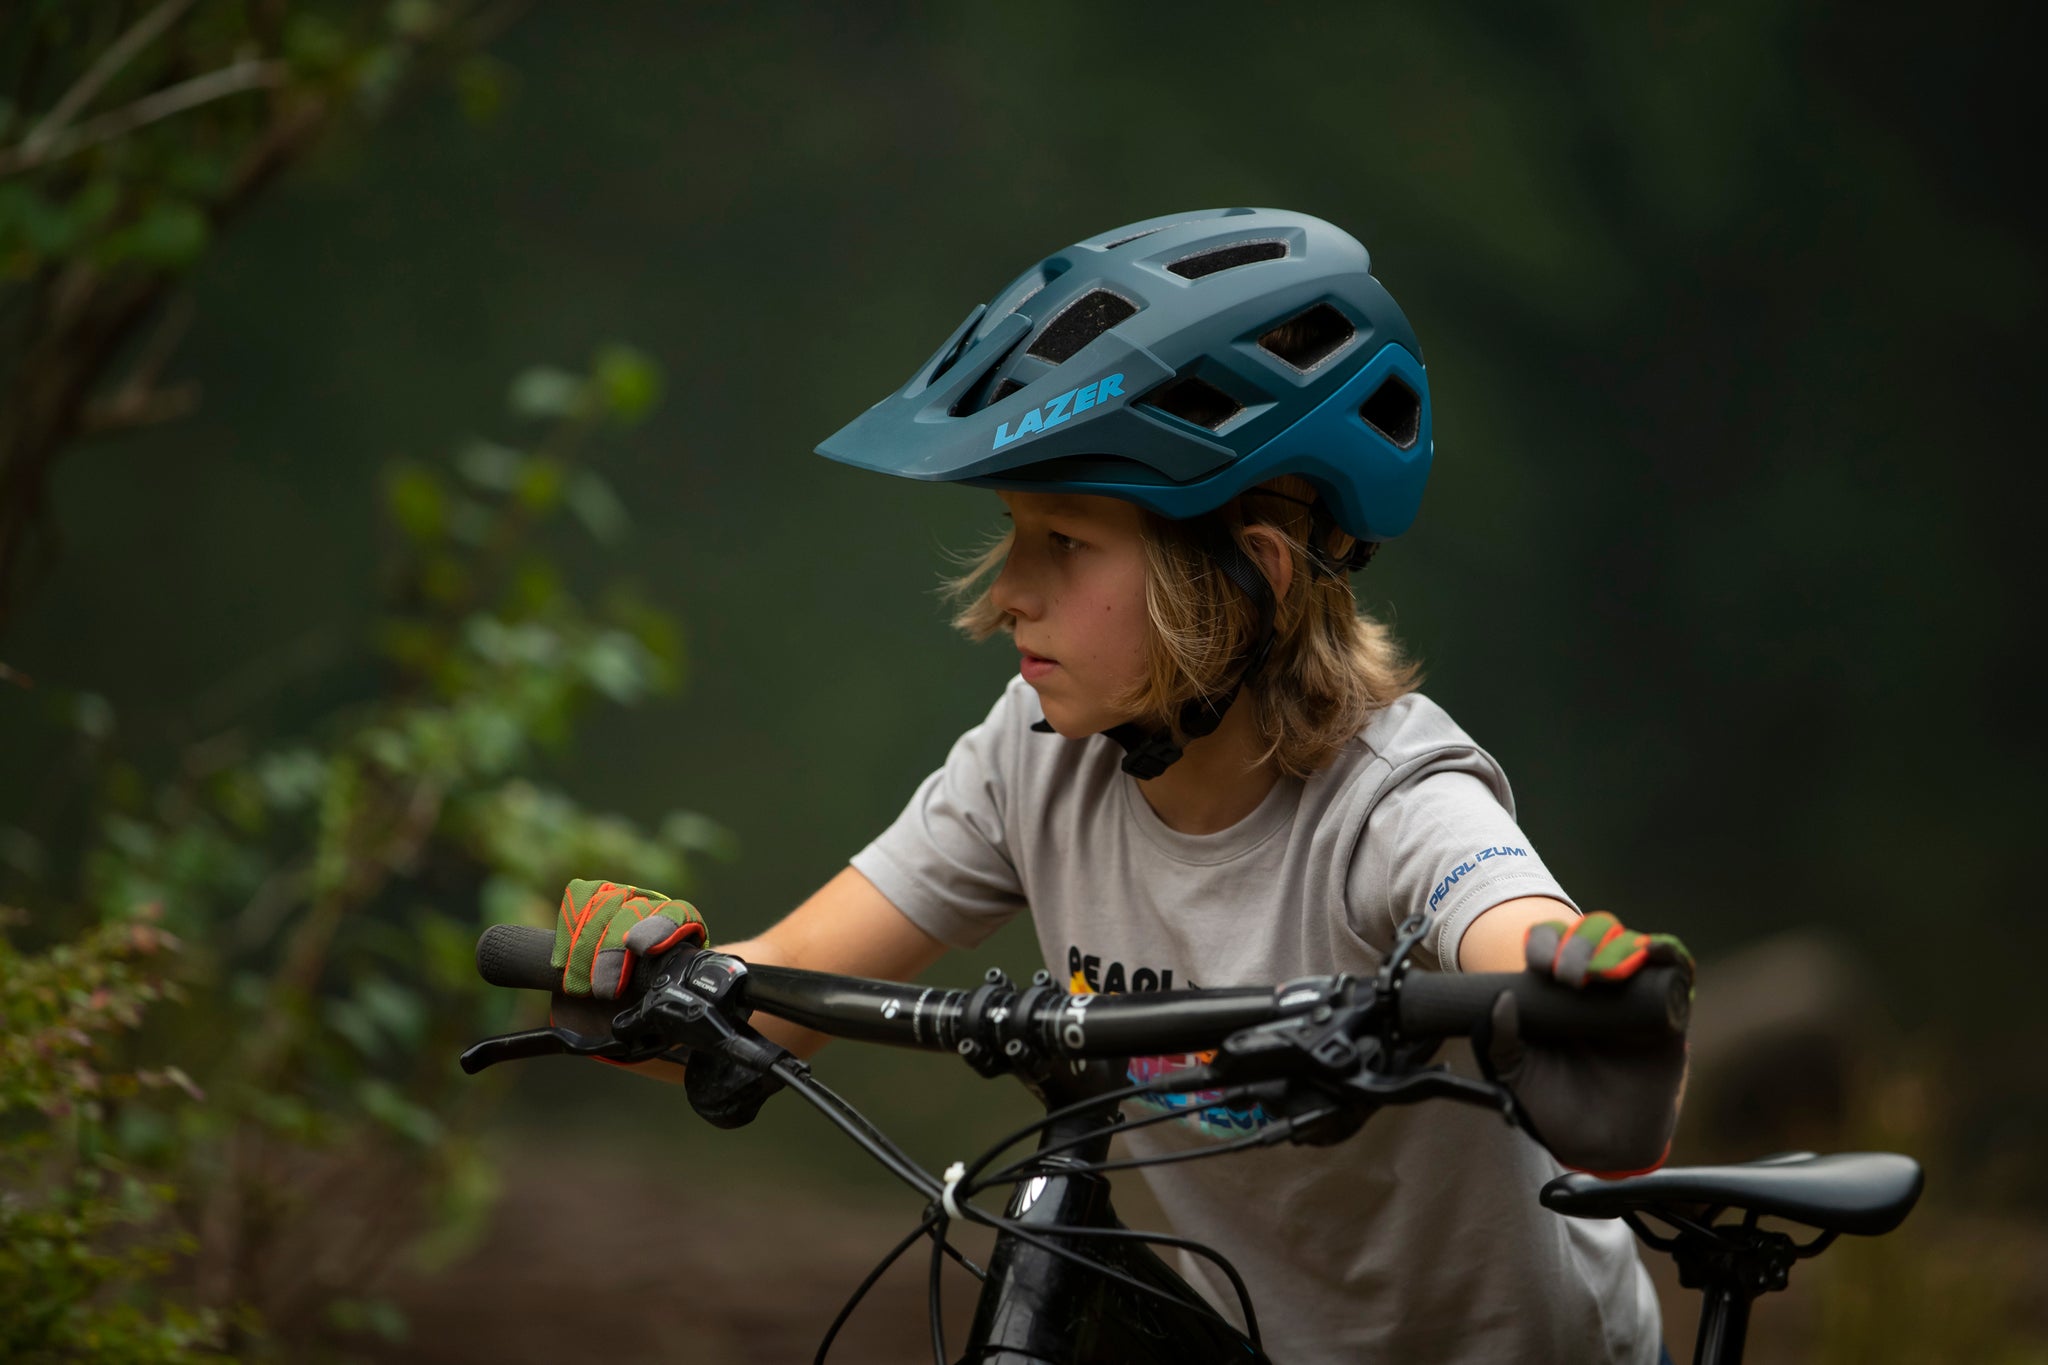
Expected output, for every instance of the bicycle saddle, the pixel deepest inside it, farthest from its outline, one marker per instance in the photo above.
(1865, 1193)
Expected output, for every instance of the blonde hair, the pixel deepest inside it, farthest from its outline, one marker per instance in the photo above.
(1331, 665)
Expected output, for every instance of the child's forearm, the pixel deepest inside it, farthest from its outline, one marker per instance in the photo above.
(1493, 942)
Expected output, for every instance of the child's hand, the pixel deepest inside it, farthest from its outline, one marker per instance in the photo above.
(603, 931)
(1605, 1108)
(1597, 948)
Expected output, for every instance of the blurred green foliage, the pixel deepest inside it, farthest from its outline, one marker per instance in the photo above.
(81, 1225)
(329, 885)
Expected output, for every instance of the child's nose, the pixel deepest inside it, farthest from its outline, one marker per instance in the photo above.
(1013, 596)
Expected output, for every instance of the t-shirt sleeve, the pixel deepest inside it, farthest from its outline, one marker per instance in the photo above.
(946, 862)
(1443, 840)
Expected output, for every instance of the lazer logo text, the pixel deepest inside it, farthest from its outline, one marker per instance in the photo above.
(1049, 415)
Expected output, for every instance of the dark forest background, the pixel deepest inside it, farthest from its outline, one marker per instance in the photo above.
(1732, 319)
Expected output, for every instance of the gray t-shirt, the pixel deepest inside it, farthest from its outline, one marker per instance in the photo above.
(1418, 1240)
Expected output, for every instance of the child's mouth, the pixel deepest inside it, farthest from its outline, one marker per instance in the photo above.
(1035, 666)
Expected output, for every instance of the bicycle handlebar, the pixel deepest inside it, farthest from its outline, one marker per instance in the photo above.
(1653, 1004)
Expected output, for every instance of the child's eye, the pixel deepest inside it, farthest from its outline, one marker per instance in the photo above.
(1065, 544)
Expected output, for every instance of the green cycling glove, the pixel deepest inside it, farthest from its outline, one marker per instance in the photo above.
(605, 928)
(1607, 1108)
(1597, 948)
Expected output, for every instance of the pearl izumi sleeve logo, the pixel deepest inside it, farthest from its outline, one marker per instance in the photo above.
(1470, 865)
(1049, 415)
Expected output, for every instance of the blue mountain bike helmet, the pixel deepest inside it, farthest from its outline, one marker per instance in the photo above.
(1176, 363)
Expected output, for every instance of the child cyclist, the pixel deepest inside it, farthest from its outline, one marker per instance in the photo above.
(1213, 770)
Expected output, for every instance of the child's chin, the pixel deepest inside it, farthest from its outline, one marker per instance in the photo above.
(1071, 725)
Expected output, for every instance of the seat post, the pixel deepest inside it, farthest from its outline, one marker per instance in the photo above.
(1730, 1266)
(1724, 1326)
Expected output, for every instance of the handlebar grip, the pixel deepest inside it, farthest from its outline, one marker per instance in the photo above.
(518, 956)
(1654, 1003)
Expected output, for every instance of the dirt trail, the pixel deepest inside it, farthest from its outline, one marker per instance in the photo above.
(626, 1272)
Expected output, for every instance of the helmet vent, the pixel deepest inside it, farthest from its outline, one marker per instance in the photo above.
(1394, 412)
(1004, 390)
(959, 349)
(1307, 339)
(1195, 400)
(1225, 257)
(1079, 323)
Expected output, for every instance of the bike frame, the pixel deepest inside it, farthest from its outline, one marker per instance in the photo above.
(1039, 1308)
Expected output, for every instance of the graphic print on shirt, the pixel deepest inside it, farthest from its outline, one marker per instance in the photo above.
(1087, 974)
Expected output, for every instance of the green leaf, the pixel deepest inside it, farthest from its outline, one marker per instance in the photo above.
(540, 484)
(198, 173)
(495, 641)
(618, 666)
(94, 204)
(398, 1012)
(92, 715)
(352, 1022)
(30, 224)
(170, 234)
(388, 749)
(591, 498)
(490, 465)
(291, 779)
(545, 391)
(417, 502)
(313, 45)
(493, 739)
(629, 381)
(382, 1102)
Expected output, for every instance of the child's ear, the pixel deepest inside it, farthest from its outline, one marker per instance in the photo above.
(1269, 548)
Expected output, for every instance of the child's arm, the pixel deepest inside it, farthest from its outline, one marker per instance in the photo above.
(847, 927)
(1493, 942)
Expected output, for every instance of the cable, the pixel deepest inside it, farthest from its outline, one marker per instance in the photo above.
(1262, 1138)
(1109, 1097)
(1258, 1139)
(1010, 1172)
(935, 1297)
(861, 1291)
(1199, 1307)
(850, 1123)
(846, 1108)
(1207, 1253)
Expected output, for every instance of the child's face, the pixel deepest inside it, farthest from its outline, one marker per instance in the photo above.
(1073, 587)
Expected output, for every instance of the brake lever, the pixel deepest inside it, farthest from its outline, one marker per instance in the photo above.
(547, 1042)
(1437, 1082)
